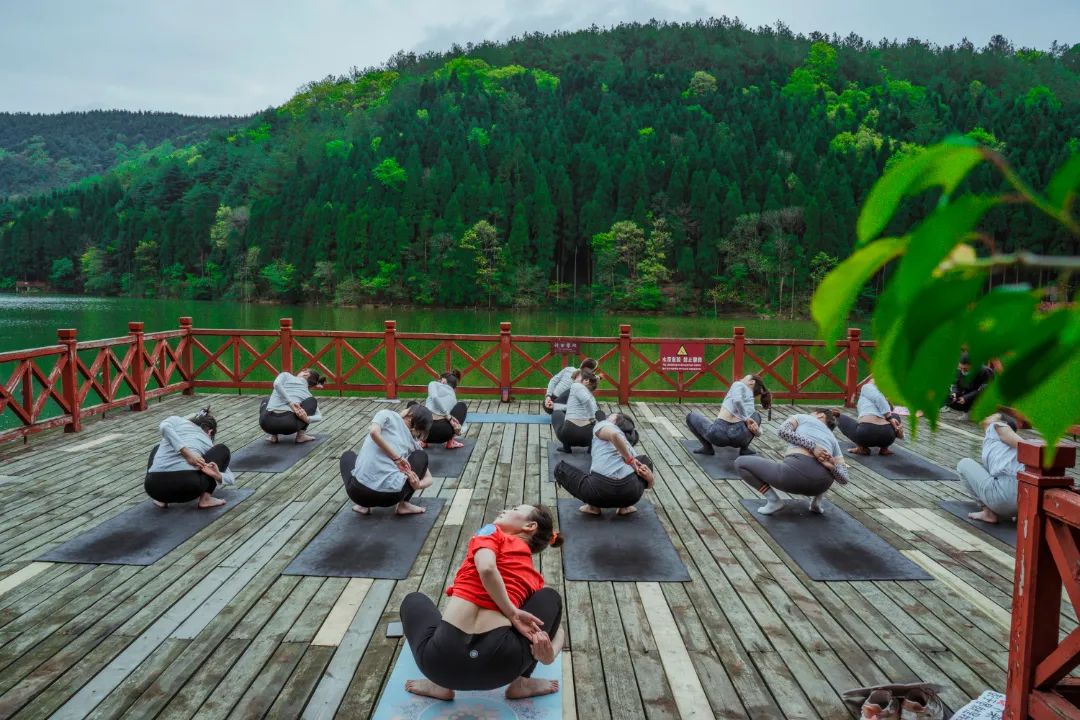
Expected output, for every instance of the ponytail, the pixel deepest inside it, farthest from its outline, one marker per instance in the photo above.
(205, 420)
(762, 392)
(545, 535)
(588, 364)
(452, 377)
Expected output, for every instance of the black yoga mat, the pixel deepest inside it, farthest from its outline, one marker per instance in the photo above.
(720, 466)
(579, 457)
(901, 465)
(268, 457)
(1004, 530)
(143, 534)
(618, 548)
(380, 544)
(449, 463)
(833, 546)
(509, 418)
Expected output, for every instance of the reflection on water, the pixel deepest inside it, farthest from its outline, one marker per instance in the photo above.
(32, 320)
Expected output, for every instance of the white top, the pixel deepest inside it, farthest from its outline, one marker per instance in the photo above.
(178, 433)
(374, 468)
(872, 402)
(560, 381)
(441, 398)
(998, 458)
(606, 459)
(739, 400)
(819, 432)
(581, 405)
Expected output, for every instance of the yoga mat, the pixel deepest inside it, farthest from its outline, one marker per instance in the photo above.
(144, 533)
(268, 457)
(1004, 530)
(720, 466)
(511, 418)
(378, 545)
(833, 546)
(450, 463)
(619, 548)
(901, 465)
(579, 457)
(396, 703)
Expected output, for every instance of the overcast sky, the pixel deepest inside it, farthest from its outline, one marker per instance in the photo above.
(212, 57)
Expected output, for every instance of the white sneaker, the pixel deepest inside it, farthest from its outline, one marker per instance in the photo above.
(771, 506)
(815, 504)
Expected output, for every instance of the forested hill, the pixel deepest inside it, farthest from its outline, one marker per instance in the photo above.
(655, 166)
(42, 152)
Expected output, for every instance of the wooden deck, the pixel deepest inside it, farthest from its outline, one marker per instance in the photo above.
(214, 629)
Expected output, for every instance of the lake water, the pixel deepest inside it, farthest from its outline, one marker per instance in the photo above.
(32, 320)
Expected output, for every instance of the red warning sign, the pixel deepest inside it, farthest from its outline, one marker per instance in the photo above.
(682, 356)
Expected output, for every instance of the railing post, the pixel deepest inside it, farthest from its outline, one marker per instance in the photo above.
(285, 333)
(624, 364)
(851, 376)
(1036, 581)
(390, 342)
(138, 365)
(505, 341)
(69, 378)
(738, 357)
(186, 371)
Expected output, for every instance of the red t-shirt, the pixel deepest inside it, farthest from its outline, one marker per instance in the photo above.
(512, 558)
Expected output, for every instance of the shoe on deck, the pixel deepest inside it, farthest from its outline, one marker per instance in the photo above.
(881, 705)
(921, 705)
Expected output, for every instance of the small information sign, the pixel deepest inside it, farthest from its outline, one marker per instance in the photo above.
(564, 347)
(682, 356)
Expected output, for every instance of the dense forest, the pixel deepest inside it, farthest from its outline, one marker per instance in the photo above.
(42, 152)
(681, 167)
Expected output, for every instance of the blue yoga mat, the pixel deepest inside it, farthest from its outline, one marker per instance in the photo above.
(397, 703)
(510, 418)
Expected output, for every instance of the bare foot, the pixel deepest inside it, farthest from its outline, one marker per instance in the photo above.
(985, 515)
(303, 438)
(859, 450)
(589, 510)
(885, 451)
(209, 501)
(161, 504)
(361, 509)
(271, 438)
(525, 687)
(453, 444)
(428, 689)
(626, 510)
(406, 508)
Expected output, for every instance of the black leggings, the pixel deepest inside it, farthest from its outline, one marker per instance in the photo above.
(796, 474)
(867, 435)
(285, 423)
(459, 661)
(560, 400)
(571, 434)
(364, 496)
(180, 486)
(441, 430)
(601, 491)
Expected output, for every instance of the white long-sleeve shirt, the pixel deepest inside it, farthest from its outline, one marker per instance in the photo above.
(560, 382)
(872, 402)
(178, 433)
(289, 388)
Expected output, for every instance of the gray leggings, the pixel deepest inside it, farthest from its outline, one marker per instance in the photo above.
(721, 432)
(796, 474)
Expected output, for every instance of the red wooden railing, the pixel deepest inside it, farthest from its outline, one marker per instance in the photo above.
(60, 384)
(1047, 557)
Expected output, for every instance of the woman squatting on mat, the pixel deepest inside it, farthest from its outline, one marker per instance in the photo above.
(738, 422)
(573, 426)
(291, 406)
(186, 465)
(500, 619)
(877, 427)
(446, 412)
(391, 466)
(618, 476)
(812, 461)
(993, 482)
(558, 387)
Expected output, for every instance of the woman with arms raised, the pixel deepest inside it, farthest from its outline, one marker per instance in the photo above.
(500, 620)
(391, 466)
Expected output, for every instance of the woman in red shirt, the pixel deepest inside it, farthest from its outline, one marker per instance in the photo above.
(500, 619)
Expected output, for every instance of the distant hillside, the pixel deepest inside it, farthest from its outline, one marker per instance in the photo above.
(645, 166)
(42, 152)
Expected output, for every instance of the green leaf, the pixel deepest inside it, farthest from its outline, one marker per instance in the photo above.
(999, 321)
(837, 292)
(944, 166)
(925, 383)
(935, 238)
(1054, 405)
(1064, 186)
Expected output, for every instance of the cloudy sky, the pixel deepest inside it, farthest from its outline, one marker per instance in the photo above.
(213, 57)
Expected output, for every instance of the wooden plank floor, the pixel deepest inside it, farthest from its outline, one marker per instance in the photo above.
(214, 630)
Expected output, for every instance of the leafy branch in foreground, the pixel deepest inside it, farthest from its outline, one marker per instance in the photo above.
(936, 300)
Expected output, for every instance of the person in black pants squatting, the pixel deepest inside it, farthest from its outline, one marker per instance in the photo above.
(448, 414)
(186, 465)
(390, 466)
(877, 427)
(738, 422)
(618, 476)
(291, 406)
(573, 426)
(558, 387)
